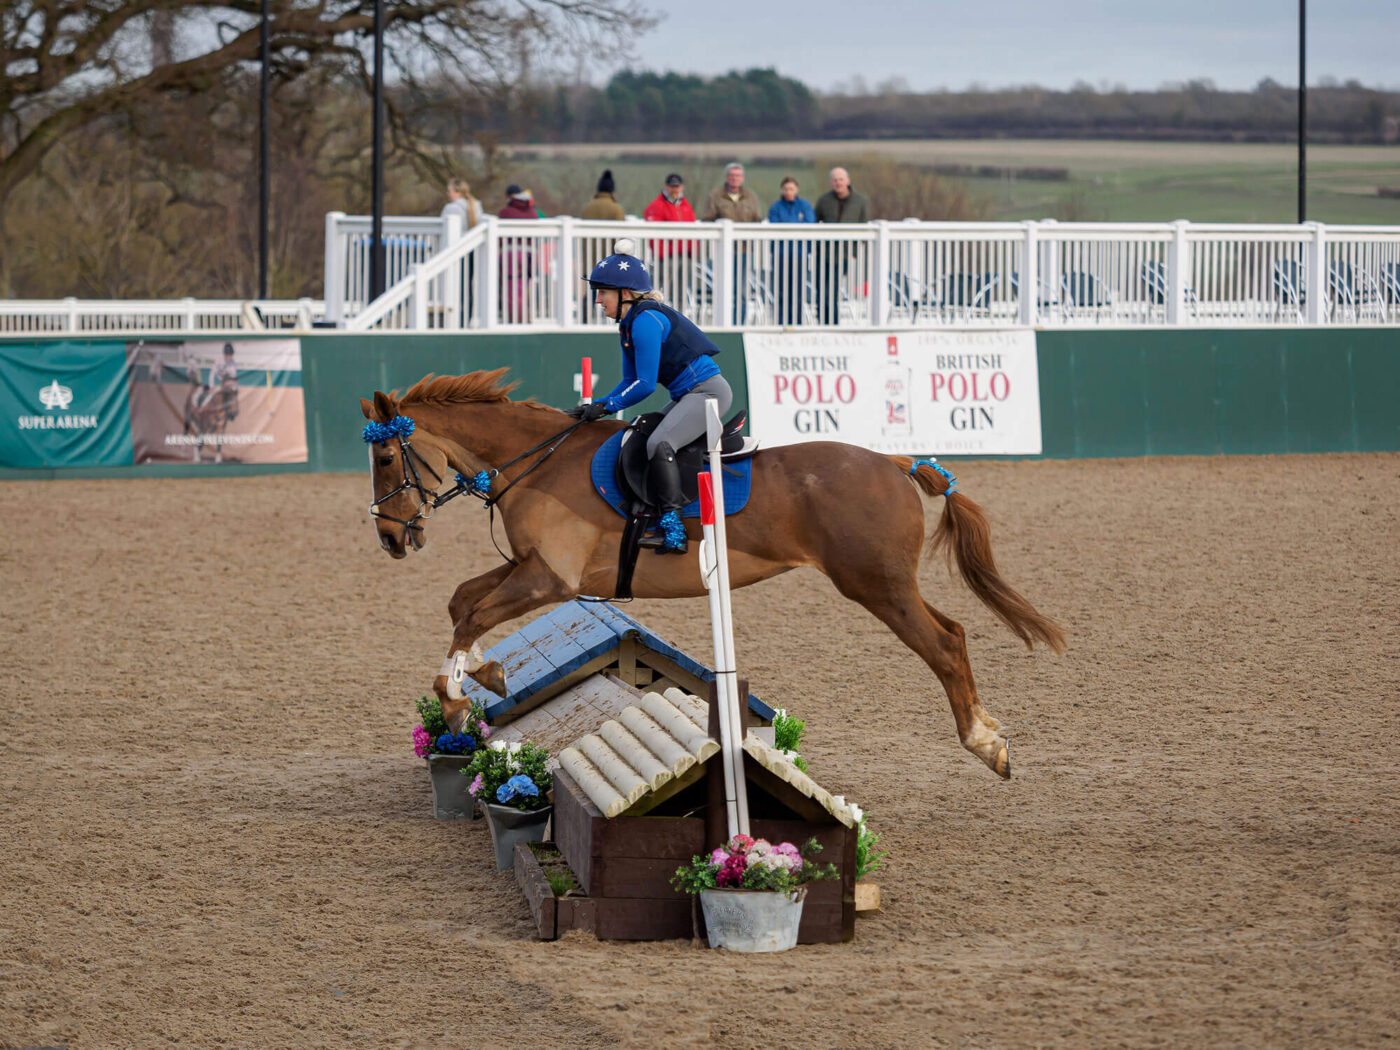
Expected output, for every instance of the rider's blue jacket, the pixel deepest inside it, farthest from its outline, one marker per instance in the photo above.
(659, 345)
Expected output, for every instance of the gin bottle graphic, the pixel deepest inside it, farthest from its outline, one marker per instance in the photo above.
(895, 381)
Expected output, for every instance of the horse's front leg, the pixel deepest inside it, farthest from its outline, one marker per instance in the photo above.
(526, 587)
(467, 594)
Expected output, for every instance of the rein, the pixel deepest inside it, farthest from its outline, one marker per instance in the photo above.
(478, 485)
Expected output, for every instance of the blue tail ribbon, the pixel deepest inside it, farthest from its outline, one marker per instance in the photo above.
(931, 462)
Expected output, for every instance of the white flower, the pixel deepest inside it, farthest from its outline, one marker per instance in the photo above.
(840, 800)
(791, 756)
(856, 812)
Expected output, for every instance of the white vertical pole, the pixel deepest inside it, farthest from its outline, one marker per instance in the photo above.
(335, 267)
(1178, 265)
(1030, 277)
(488, 274)
(724, 276)
(709, 572)
(420, 299)
(1317, 274)
(452, 276)
(565, 265)
(726, 673)
(880, 278)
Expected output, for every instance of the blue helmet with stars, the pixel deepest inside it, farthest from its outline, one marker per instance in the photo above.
(620, 270)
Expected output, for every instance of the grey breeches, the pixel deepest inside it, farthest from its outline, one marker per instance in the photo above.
(685, 417)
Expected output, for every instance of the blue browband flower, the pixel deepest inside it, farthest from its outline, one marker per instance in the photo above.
(377, 433)
(479, 484)
(952, 481)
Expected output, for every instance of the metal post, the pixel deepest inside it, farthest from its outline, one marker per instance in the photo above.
(568, 290)
(880, 279)
(724, 276)
(1178, 263)
(264, 176)
(336, 248)
(1030, 279)
(1302, 111)
(376, 181)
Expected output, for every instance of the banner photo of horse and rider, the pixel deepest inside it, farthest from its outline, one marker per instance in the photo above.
(111, 403)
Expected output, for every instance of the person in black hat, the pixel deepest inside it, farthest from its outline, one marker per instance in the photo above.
(604, 203)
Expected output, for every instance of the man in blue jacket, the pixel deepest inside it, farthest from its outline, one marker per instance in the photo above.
(790, 257)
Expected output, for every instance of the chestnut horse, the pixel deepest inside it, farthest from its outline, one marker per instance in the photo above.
(854, 514)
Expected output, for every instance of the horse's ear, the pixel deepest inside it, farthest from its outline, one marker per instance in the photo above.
(387, 409)
(367, 407)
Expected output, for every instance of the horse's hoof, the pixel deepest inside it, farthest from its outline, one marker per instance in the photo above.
(1001, 765)
(492, 676)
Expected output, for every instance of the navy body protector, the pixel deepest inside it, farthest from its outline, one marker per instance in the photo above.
(682, 348)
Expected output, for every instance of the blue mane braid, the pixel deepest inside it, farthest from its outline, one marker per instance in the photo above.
(931, 462)
(378, 433)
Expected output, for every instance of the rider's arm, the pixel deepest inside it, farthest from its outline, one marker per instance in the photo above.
(649, 331)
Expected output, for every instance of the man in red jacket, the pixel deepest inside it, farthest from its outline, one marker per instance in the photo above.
(672, 257)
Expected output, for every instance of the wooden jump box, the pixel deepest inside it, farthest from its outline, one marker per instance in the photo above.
(625, 863)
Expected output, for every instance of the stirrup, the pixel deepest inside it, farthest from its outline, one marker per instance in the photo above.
(672, 538)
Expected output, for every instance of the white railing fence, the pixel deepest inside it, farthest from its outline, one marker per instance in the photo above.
(923, 274)
(116, 316)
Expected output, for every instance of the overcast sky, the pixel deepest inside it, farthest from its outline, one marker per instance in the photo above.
(1053, 43)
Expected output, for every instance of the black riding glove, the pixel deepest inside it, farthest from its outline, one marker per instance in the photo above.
(588, 413)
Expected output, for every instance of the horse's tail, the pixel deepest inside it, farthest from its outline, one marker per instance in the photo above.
(964, 530)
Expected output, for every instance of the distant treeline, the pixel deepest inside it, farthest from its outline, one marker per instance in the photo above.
(761, 105)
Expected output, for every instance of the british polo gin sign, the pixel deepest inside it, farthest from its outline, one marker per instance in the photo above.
(908, 392)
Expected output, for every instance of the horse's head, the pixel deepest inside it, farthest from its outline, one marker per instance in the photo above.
(406, 466)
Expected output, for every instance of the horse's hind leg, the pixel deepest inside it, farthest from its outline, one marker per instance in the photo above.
(939, 640)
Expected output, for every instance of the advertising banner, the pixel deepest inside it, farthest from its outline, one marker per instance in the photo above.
(64, 405)
(910, 393)
(102, 404)
(217, 401)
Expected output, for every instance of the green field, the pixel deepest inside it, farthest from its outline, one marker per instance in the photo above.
(1108, 180)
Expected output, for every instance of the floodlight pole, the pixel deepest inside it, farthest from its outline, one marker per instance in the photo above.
(1302, 111)
(376, 182)
(264, 177)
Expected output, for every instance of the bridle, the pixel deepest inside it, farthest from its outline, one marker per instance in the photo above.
(400, 428)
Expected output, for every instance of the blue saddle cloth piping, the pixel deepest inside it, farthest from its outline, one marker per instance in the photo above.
(738, 481)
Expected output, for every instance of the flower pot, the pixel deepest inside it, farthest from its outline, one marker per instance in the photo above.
(867, 897)
(510, 825)
(752, 920)
(450, 798)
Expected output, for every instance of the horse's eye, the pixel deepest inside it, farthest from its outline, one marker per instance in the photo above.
(386, 461)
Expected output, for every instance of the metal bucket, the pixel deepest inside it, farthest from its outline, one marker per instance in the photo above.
(450, 798)
(752, 920)
(510, 825)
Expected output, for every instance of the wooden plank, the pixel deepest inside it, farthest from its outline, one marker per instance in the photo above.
(668, 837)
(696, 684)
(574, 821)
(637, 919)
(538, 893)
(575, 913)
(627, 661)
(503, 710)
(674, 786)
(806, 808)
(638, 877)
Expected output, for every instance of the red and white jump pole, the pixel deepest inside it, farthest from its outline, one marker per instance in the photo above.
(586, 381)
(714, 568)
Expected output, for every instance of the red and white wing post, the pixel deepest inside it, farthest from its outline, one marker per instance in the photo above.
(586, 381)
(714, 568)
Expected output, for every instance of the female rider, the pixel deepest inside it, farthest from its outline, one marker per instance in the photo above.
(658, 345)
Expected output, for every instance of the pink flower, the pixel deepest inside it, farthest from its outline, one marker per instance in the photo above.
(739, 844)
(421, 741)
(475, 786)
(485, 729)
(719, 857)
(788, 850)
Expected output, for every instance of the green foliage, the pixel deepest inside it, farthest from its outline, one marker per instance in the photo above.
(787, 731)
(561, 880)
(728, 868)
(698, 875)
(430, 714)
(867, 860)
(499, 762)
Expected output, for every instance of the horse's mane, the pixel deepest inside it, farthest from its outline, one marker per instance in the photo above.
(454, 390)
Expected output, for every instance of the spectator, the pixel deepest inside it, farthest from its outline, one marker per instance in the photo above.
(790, 257)
(604, 203)
(839, 204)
(517, 257)
(460, 202)
(670, 205)
(737, 202)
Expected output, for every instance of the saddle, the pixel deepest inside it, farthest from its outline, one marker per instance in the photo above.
(635, 482)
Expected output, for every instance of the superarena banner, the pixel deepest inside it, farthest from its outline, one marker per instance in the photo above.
(107, 404)
(944, 393)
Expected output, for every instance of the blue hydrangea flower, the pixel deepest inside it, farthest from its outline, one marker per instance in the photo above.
(517, 786)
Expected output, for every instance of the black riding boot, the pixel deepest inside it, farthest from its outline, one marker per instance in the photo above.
(665, 478)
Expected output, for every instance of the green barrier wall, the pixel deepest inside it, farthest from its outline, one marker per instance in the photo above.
(1103, 392)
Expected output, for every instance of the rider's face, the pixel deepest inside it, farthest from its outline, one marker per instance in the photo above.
(608, 299)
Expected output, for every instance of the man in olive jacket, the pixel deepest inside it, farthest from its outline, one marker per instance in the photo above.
(838, 204)
(735, 201)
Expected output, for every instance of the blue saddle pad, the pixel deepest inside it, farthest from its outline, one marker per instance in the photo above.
(738, 481)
